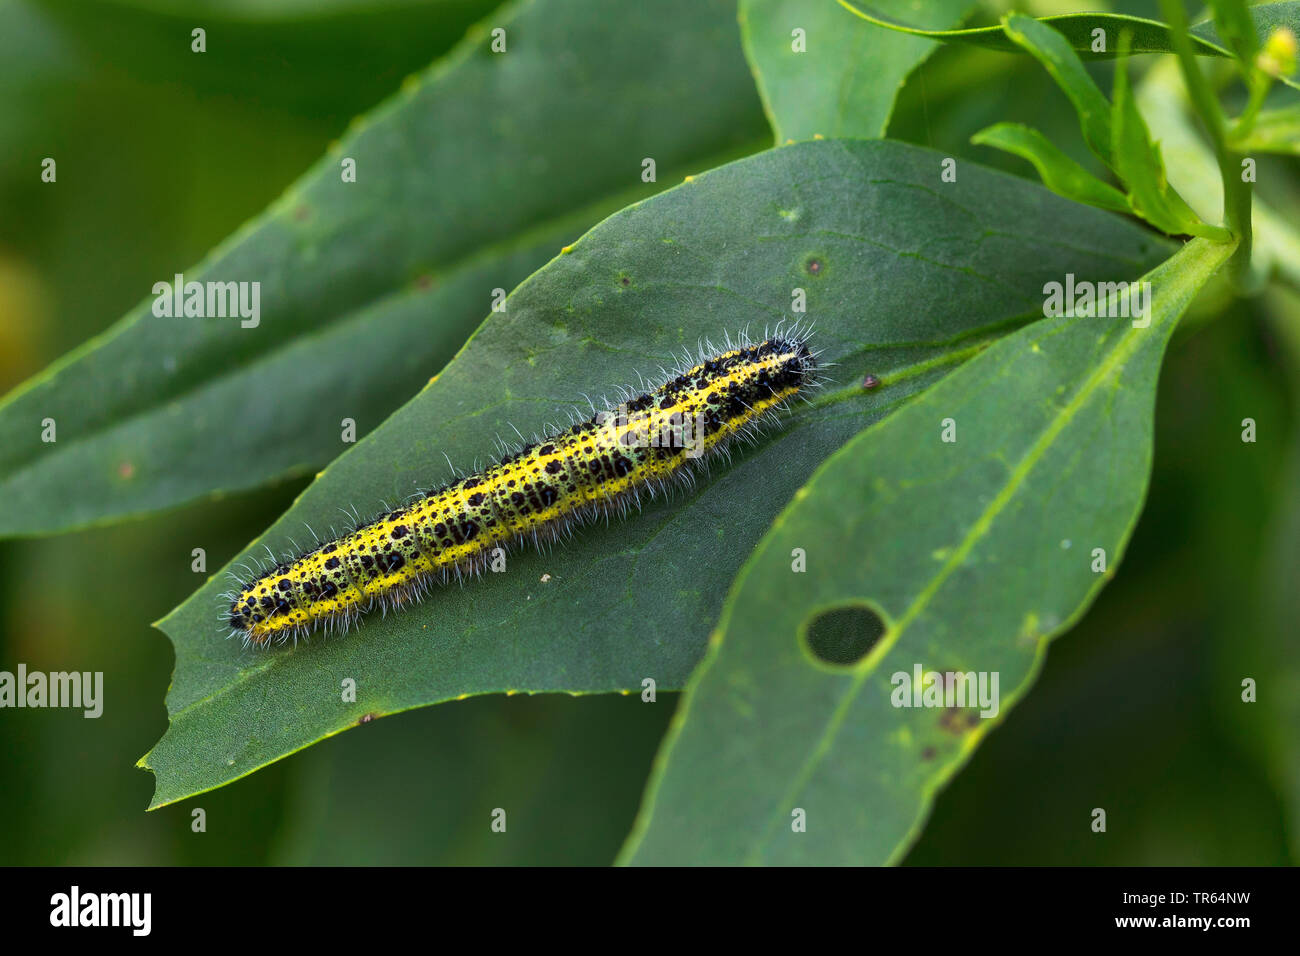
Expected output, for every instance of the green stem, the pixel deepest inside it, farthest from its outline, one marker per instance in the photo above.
(1236, 193)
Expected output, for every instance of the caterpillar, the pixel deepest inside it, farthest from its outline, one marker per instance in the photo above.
(597, 466)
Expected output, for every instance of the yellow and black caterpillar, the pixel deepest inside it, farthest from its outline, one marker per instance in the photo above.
(598, 464)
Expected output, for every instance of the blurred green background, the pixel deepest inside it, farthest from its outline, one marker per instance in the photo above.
(162, 154)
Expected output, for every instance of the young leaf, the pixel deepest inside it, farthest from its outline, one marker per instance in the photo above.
(1059, 59)
(905, 276)
(1139, 166)
(973, 552)
(1059, 172)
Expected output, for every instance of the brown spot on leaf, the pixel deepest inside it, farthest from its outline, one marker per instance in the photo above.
(958, 720)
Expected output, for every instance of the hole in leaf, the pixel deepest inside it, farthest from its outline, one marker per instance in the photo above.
(844, 635)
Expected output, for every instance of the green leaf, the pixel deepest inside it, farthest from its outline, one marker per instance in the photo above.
(843, 81)
(1053, 50)
(1059, 172)
(1080, 29)
(284, 52)
(974, 554)
(905, 276)
(467, 181)
(1138, 164)
(1273, 131)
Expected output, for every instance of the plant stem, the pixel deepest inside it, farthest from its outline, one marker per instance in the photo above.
(1236, 192)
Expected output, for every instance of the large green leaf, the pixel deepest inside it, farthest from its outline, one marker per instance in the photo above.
(1149, 36)
(467, 181)
(839, 78)
(973, 553)
(904, 274)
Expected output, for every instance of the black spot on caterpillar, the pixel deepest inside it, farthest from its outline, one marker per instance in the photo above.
(598, 465)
